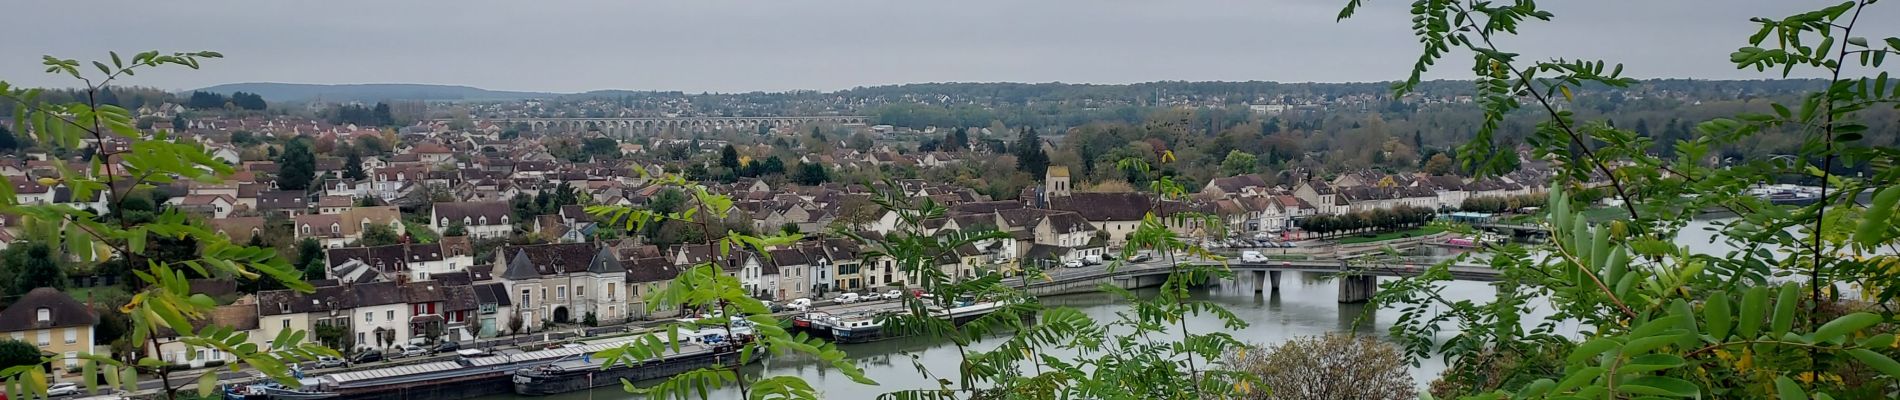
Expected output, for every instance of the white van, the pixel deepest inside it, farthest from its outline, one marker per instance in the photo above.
(1252, 257)
(799, 304)
(846, 298)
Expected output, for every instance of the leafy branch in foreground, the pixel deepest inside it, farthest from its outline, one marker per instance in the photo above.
(162, 301)
(1654, 318)
(709, 288)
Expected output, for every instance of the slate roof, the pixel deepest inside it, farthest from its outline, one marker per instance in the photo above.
(534, 261)
(64, 311)
(651, 269)
(474, 211)
(1104, 206)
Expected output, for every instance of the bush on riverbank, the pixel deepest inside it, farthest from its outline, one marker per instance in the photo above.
(1333, 366)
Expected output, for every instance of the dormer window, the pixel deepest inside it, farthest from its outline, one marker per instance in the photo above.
(484, 220)
(45, 315)
(336, 228)
(306, 229)
(445, 222)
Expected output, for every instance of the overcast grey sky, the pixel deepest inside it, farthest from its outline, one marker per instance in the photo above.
(719, 45)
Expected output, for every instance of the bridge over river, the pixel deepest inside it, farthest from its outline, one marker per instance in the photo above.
(1357, 279)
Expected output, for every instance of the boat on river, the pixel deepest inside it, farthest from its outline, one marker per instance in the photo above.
(699, 349)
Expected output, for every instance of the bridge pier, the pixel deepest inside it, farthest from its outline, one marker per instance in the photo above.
(1357, 288)
(1261, 280)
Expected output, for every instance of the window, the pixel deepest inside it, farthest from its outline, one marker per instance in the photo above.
(359, 338)
(306, 229)
(526, 298)
(610, 292)
(45, 314)
(544, 293)
(389, 315)
(45, 338)
(286, 323)
(335, 228)
(560, 293)
(580, 292)
(369, 317)
(72, 335)
(484, 220)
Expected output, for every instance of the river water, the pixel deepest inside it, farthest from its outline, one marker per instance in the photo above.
(1305, 305)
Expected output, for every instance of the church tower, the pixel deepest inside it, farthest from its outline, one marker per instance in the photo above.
(1056, 182)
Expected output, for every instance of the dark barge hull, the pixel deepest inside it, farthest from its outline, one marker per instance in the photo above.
(577, 380)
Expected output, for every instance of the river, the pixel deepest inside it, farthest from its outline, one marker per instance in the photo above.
(1306, 304)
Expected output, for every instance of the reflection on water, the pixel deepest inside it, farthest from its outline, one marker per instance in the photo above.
(1306, 304)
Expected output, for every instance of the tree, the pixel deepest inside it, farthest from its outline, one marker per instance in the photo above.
(860, 141)
(296, 167)
(248, 101)
(353, 167)
(381, 116)
(7, 141)
(311, 257)
(959, 140)
(32, 265)
(810, 174)
(379, 235)
(161, 297)
(514, 325)
(178, 123)
(729, 158)
(1439, 164)
(1030, 157)
(1238, 163)
(789, 228)
(15, 353)
(1376, 369)
(205, 100)
(455, 228)
(1701, 314)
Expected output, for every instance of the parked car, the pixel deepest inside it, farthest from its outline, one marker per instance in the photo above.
(846, 298)
(868, 296)
(447, 347)
(367, 356)
(329, 362)
(62, 389)
(1092, 260)
(1140, 257)
(1262, 236)
(799, 304)
(893, 294)
(1252, 256)
(1073, 264)
(410, 350)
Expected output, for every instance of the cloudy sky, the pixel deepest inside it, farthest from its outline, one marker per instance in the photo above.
(722, 45)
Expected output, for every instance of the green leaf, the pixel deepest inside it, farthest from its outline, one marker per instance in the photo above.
(1651, 362)
(1785, 306)
(1592, 348)
(1786, 389)
(1754, 310)
(1879, 362)
(1579, 378)
(208, 384)
(1845, 324)
(1715, 314)
(1660, 386)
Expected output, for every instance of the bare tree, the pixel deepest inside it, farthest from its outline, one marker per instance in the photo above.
(1332, 367)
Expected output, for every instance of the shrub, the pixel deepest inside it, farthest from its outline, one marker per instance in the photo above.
(1329, 367)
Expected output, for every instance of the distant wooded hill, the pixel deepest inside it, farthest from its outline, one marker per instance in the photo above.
(299, 92)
